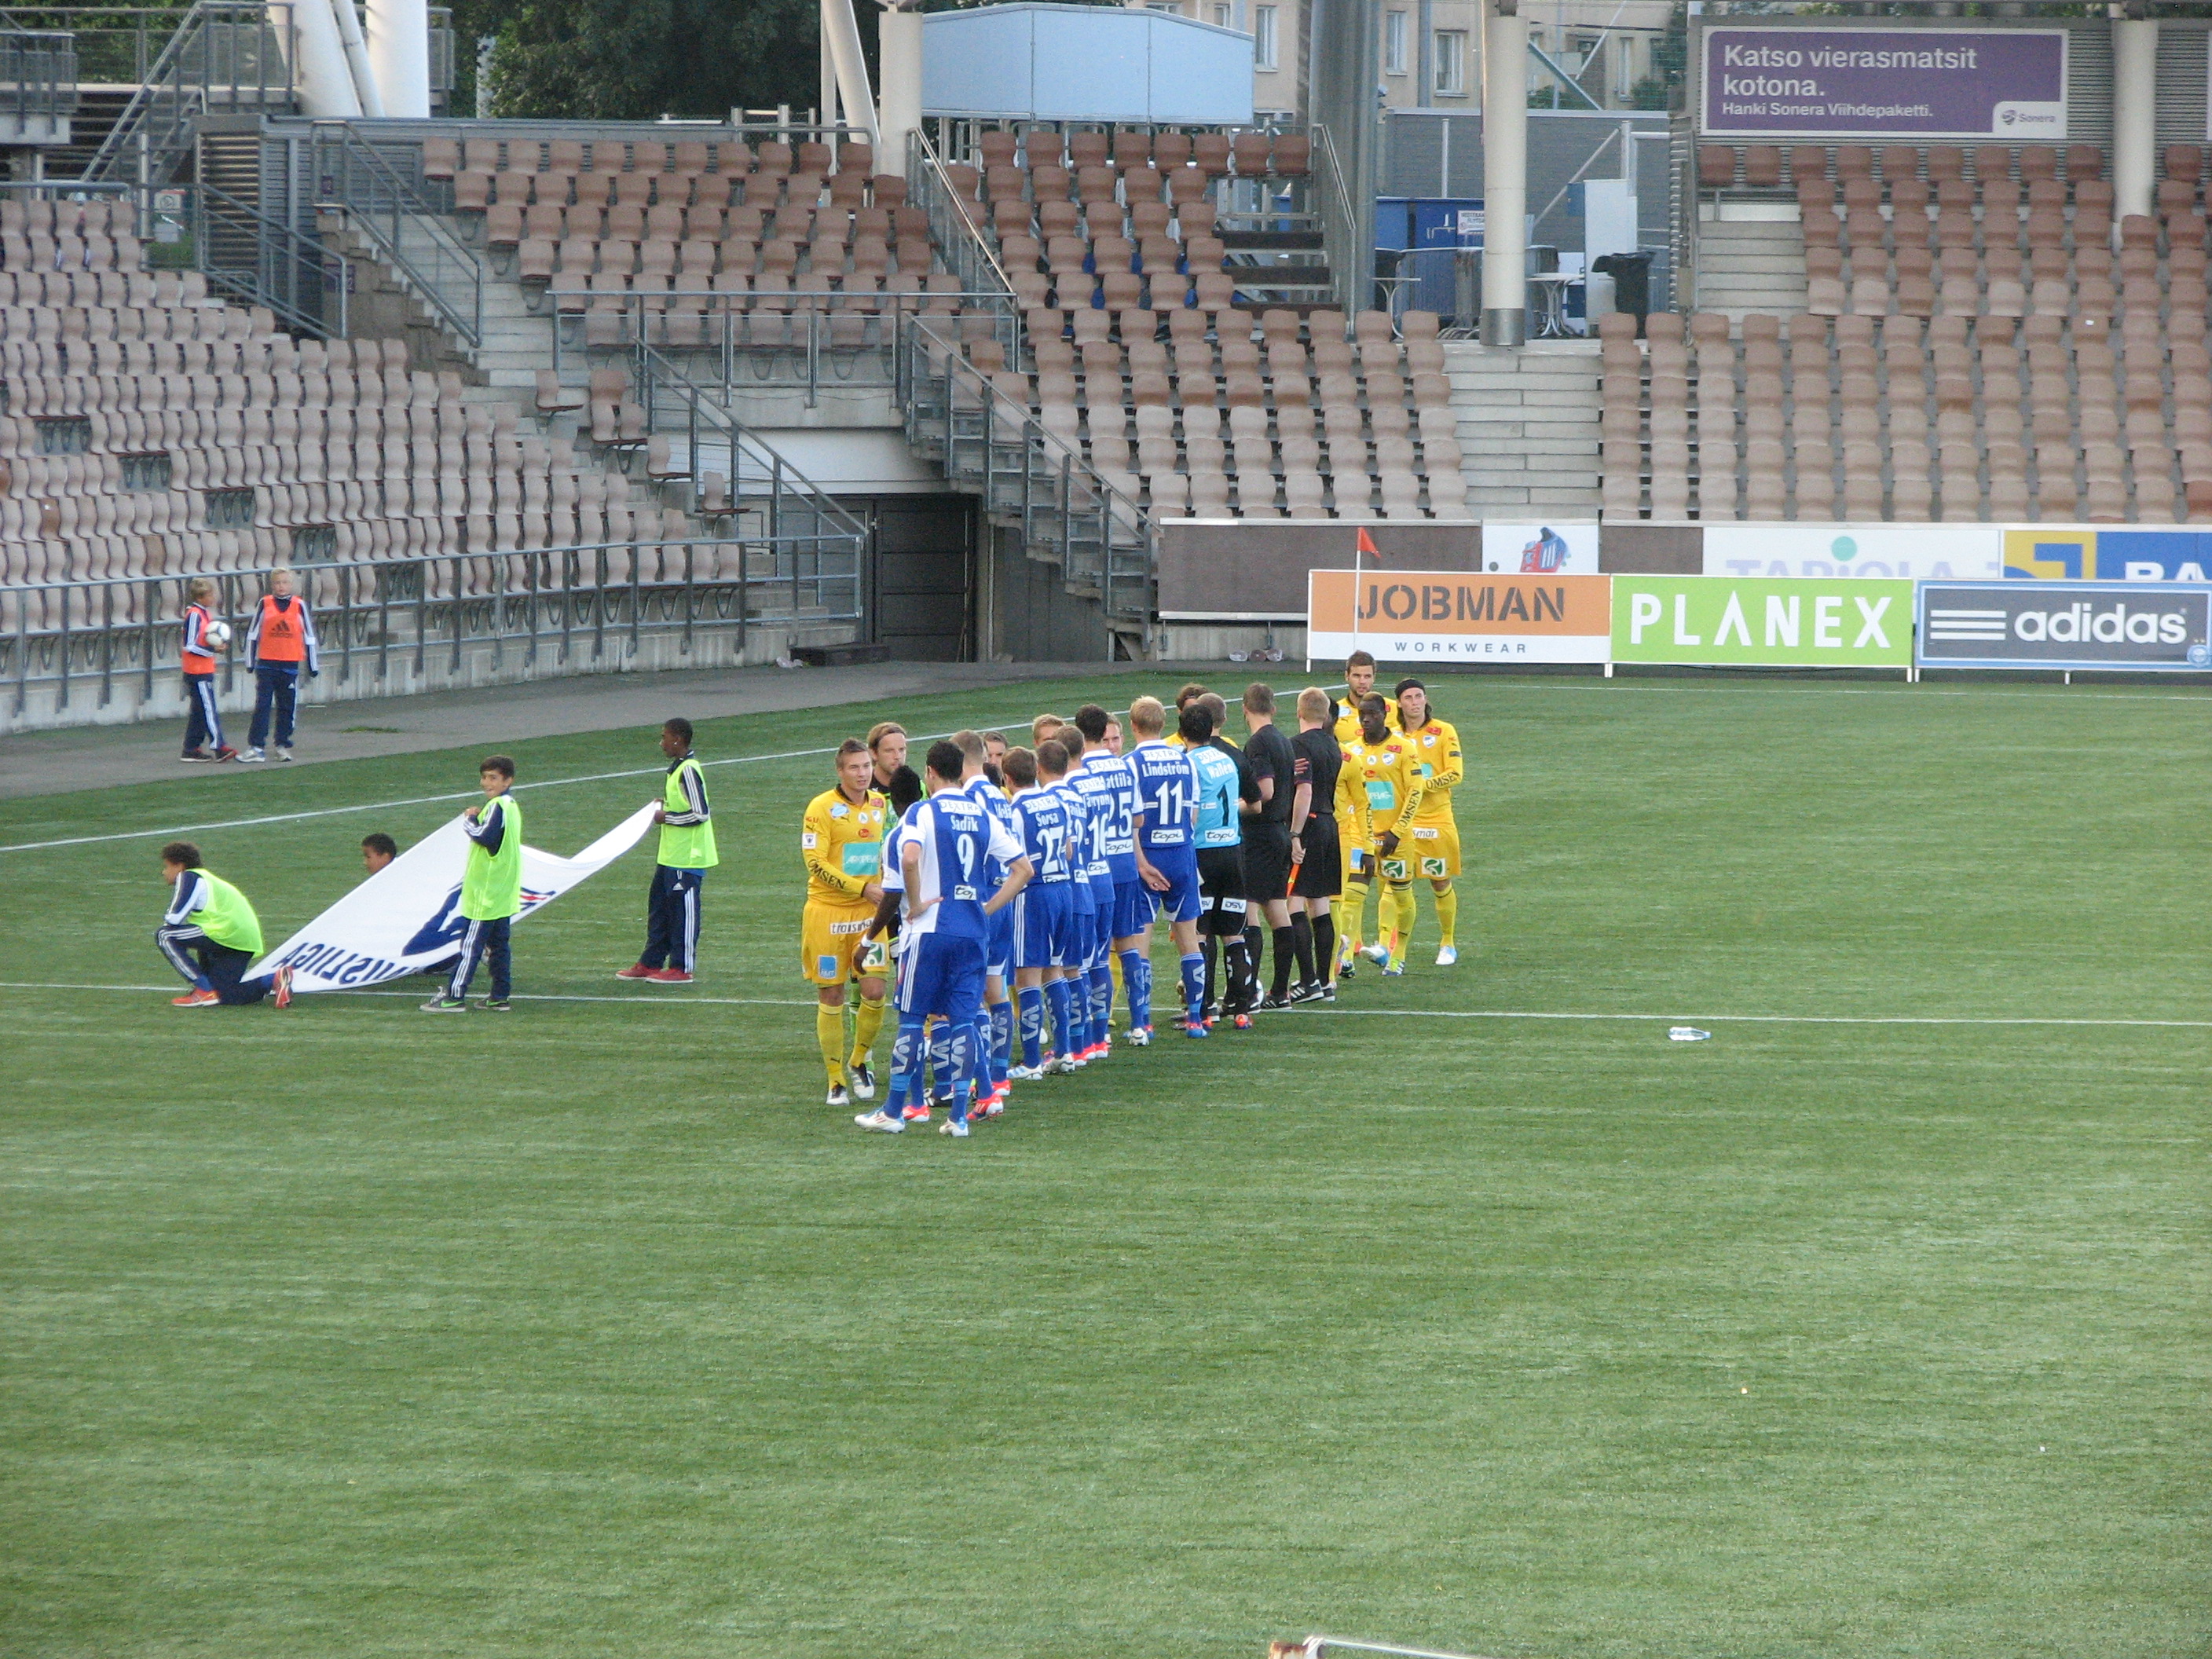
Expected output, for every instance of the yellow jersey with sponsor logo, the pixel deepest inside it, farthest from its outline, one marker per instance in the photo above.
(842, 845)
(1391, 781)
(1347, 717)
(1434, 748)
(1355, 825)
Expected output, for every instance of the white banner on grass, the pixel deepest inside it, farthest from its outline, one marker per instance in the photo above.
(406, 916)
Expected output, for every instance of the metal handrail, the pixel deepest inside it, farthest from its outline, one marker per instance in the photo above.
(1069, 477)
(171, 84)
(370, 191)
(926, 167)
(277, 246)
(785, 481)
(593, 600)
(827, 320)
(1340, 242)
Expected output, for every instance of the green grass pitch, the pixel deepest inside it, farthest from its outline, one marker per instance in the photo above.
(590, 1330)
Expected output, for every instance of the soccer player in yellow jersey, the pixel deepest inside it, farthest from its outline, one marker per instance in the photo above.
(1394, 797)
(1358, 686)
(1355, 833)
(1433, 843)
(841, 842)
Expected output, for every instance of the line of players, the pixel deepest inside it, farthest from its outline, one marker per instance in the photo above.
(994, 915)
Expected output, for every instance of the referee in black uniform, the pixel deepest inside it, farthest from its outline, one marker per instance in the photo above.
(1314, 845)
(1267, 834)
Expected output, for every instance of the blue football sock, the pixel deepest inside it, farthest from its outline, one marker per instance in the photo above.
(1002, 1040)
(1032, 998)
(906, 1053)
(940, 1060)
(960, 1048)
(1102, 1001)
(980, 1063)
(1136, 989)
(1063, 1036)
(1194, 986)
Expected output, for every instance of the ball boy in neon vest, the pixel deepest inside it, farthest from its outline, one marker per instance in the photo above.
(210, 936)
(491, 891)
(687, 853)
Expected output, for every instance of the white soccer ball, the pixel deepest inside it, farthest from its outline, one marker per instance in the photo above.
(218, 632)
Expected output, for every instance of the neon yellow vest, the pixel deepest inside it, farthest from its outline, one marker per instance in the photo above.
(227, 918)
(685, 846)
(491, 886)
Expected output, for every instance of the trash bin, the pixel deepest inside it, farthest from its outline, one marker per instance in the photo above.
(1631, 283)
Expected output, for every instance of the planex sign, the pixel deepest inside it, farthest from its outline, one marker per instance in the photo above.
(1723, 621)
(1421, 615)
(1884, 83)
(2018, 624)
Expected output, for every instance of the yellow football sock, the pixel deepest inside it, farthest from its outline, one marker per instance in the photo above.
(1447, 914)
(829, 1032)
(866, 1025)
(1352, 919)
(1400, 900)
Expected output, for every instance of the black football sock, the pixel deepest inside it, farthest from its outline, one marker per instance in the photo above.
(1254, 943)
(1285, 939)
(1209, 944)
(1236, 959)
(1324, 945)
(1302, 941)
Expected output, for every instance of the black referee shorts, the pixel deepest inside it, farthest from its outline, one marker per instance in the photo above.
(1321, 875)
(1221, 891)
(1267, 860)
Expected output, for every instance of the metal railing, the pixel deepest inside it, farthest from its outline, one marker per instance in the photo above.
(1029, 475)
(289, 272)
(1340, 239)
(388, 208)
(37, 83)
(767, 497)
(735, 344)
(225, 57)
(576, 604)
(955, 221)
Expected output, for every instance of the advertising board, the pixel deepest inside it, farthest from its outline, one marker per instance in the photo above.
(1541, 550)
(1918, 552)
(2016, 624)
(1730, 621)
(1829, 84)
(2046, 553)
(1420, 615)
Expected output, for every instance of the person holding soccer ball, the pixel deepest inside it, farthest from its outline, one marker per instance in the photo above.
(203, 635)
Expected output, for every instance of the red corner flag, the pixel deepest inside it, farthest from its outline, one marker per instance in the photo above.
(1367, 544)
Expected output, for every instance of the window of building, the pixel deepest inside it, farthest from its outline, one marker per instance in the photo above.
(1224, 17)
(1451, 63)
(1394, 43)
(1263, 37)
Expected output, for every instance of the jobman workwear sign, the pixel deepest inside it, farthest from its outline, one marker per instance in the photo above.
(1424, 616)
(1790, 622)
(1827, 84)
(2022, 624)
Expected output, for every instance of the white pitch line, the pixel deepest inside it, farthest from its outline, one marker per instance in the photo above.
(1308, 1011)
(427, 800)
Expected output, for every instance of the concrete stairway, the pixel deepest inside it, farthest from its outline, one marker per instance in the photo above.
(1528, 427)
(1750, 265)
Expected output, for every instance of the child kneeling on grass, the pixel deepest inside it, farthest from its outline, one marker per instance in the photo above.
(210, 936)
(491, 891)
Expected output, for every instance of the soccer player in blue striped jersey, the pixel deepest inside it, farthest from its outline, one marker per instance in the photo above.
(1078, 1041)
(948, 837)
(1110, 776)
(1043, 911)
(993, 1083)
(1167, 860)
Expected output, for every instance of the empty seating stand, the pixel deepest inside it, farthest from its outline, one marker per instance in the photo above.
(150, 431)
(1209, 415)
(1982, 342)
